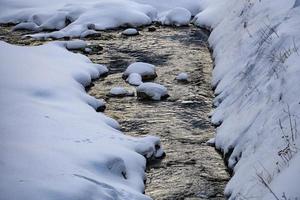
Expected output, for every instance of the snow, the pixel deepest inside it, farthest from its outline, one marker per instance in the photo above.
(54, 145)
(130, 31)
(152, 91)
(146, 70)
(256, 53)
(134, 79)
(75, 18)
(182, 76)
(26, 26)
(177, 17)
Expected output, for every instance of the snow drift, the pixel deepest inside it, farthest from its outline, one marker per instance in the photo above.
(256, 75)
(54, 145)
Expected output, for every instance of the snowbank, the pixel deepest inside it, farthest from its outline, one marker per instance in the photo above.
(256, 75)
(54, 145)
(77, 18)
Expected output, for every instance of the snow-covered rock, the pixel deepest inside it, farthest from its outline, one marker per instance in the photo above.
(182, 77)
(75, 44)
(177, 16)
(152, 91)
(54, 145)
(134, 79)
(146, 70)
(119, 92)
(130, 32)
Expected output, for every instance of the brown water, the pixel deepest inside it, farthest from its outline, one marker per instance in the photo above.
(191, 169)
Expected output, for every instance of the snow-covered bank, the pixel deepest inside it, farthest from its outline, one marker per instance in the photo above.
(77, 18)
(54, 145)
(256, 50)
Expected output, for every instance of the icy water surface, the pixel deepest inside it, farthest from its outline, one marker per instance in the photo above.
(191, 169)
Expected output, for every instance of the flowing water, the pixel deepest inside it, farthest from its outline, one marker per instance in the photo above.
(191, 169)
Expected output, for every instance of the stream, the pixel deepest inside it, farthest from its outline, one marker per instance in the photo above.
(191, 169)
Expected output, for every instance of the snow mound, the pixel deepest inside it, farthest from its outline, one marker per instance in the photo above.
(134, 79)
(152, 91)
(54, 145)
(130, 32)
(182, 77)
(119, 92)
(177, 17)
(146, 70)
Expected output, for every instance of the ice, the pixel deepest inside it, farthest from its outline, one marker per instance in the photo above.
(152, 91)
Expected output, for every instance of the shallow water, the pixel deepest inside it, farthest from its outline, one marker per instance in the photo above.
(191, 169)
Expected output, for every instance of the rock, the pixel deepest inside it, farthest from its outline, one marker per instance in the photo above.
(145, 70)
(151, 29)
(101, 107)
(130, 32)
(152, 91)
(119, 92)
(88, 50)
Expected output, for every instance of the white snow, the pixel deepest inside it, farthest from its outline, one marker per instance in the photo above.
(73, 18)
(152, 90)
(134, 79)
(54, 145)
(256, 75)
(182, 76)
(177, 17)
(130, 31)
(146, 70)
